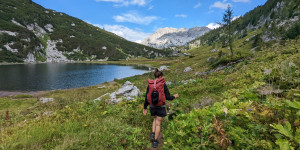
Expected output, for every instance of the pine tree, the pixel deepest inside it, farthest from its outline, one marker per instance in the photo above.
(227, 23)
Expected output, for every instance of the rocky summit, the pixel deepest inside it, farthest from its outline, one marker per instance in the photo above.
(170, 37)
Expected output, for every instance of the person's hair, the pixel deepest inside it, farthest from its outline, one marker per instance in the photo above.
(158, 73)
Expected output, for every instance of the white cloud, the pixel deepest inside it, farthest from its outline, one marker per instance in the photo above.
(244, 1)
(221, 5)
(134, 17)
(181, 15)
(197, 5)
(213, 25)
(119, 3)
(134, 35)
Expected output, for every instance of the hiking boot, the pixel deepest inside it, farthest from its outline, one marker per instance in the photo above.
(155, 144)
(152, 137)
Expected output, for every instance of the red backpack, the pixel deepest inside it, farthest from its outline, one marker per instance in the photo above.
(154, 87)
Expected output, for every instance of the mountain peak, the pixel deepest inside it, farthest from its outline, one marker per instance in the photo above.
(168, 36)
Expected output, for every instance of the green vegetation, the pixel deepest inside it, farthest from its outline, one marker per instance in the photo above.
(73, 32)
(227, 23)
(264, 18)
(247, 101)
(234, 108)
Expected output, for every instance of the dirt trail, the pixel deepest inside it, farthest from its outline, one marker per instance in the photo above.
(160, 144)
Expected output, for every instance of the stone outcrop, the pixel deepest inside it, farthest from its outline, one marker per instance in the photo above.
(188, 69)
(127, 92)
(46, 100)
(162, 68)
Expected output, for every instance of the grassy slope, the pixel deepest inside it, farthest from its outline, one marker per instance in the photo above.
(219, 110)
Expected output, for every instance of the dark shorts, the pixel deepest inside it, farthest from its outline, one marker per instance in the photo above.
(158, 111)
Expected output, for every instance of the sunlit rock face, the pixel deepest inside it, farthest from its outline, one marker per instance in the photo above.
(169, 37)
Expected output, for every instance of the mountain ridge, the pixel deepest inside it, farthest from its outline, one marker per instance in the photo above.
(172, 37)
(31, 33)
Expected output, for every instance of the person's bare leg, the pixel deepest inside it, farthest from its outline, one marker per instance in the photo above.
(153, 125)
(157, 126)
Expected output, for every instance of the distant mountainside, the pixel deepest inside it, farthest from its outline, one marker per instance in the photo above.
(170, 37)
(31, 33)
(275, 20)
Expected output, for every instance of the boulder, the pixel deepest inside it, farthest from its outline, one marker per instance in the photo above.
(214, 50)
(127, 92)
(162, 68)
(188, 69)
(168, 83)
(46, 100)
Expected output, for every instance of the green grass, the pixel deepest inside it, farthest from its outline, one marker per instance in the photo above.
(197, 119)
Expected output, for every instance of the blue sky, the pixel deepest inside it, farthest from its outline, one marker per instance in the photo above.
(138, 19)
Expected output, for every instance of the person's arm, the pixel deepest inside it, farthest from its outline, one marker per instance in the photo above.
(146, 102)
(167, 93)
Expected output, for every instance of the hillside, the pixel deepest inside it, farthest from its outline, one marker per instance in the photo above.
(31, 33)
(276, 20)
(172, 37)
(250, 100)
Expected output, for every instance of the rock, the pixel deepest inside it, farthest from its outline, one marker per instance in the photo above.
(187, 81)
(128, 86)
(127, 92)
(188, 69)
(162, 68)
(172, 37)
(49, 27)
(214, 50)
(187, 54)
(48, 113)
(30, 58)
(168, 83)
(9, 33)
(267, 71)
(46, 100)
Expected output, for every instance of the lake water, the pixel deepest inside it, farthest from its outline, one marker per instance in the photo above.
(51, 76)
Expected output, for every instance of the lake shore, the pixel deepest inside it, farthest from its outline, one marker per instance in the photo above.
(15, 93)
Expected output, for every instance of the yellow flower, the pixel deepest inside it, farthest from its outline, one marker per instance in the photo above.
(85, 125)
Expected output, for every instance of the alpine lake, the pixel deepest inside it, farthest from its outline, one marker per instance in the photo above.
(53, 76)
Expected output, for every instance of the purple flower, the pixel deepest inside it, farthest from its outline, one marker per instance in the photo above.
(253, 122)
(249, 109)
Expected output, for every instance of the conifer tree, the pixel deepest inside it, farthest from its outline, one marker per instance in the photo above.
(227, 23)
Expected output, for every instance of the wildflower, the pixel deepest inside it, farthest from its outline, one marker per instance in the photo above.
(249, 109)
(142, 106)
(85, 125)
(253, 122)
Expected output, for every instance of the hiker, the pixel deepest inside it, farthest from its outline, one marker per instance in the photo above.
(156, 96)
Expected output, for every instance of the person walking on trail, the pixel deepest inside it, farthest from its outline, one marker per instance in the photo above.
(156, 96)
